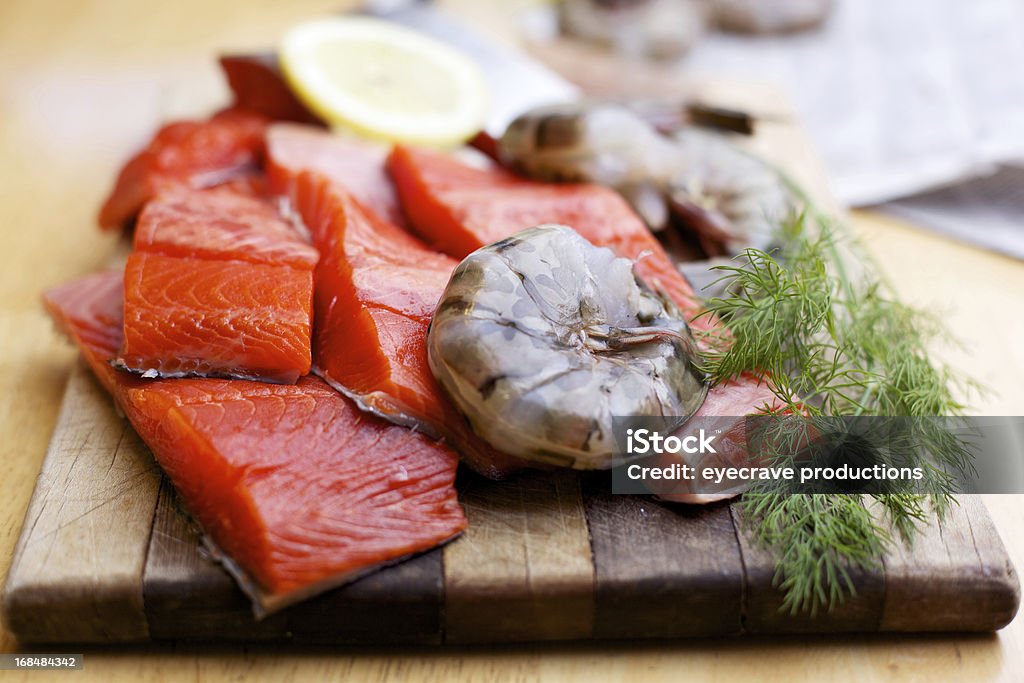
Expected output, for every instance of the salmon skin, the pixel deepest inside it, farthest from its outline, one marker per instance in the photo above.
(218, 285)
(356, 165)
(189, 154)
(299, 488)
(258, 85)
(376, 289)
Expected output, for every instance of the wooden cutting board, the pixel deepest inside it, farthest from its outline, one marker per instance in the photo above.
(106, 554)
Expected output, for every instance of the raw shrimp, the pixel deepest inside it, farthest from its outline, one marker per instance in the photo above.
(663, 29)
(728, 198)
(605, 144)
(731, 199)
(541, 339)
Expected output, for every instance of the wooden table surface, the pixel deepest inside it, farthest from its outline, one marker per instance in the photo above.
(82, 83)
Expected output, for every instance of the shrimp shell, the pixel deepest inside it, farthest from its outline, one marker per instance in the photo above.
(726, 197)
(730, 198)
(542, 339)
(591, 142)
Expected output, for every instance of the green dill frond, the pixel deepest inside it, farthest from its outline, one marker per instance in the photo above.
(818, 540)
(831, 343)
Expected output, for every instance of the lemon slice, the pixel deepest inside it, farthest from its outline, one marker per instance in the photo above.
(385, 81)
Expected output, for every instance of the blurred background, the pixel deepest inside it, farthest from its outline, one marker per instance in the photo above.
(916, 106)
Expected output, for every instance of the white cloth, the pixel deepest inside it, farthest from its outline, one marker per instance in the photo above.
(899, 95)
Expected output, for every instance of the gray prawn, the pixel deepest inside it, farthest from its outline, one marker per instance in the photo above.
(727, 198)
(541, 340)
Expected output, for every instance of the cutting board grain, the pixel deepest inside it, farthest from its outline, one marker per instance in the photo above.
(662, 571)
(523, 570)
(108, 555)
(962, 558)
(77, 567)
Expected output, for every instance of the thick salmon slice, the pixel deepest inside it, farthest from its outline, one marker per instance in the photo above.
(357, 165)
(190, 154)
(218, 285)
(298, 487)
(225, 223)
(259, 86)
(459, 208)
(376, 289)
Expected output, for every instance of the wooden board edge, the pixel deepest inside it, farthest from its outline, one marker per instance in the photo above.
(523, 571)
(190, 596)
(112, 603)
(675, 592)
(973, 587)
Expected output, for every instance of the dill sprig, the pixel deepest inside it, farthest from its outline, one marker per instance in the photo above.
(816, 538)
(831, 343)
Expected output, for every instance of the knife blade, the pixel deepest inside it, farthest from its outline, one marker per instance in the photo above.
(525, 83)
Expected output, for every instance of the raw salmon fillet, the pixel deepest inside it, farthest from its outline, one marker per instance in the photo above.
(376, 289)
(459, 208)
(258, 85)
(189, 154)
(357, 165)
(298, 487)
(218, 285)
